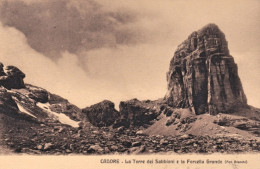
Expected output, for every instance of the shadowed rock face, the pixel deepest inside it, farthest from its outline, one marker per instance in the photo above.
(11, 77)
(101, 114)
(203, 75)
(137, 113)
(7, 104)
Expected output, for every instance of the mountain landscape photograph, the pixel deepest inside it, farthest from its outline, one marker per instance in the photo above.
(95, 77)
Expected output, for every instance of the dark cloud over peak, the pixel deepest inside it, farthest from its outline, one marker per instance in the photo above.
(52, 27)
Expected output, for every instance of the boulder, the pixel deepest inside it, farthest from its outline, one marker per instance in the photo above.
(137, 113)
(47, 146)
(137, 150)
(101, 114)
(203, 75)
(95, 148)
(11, 77)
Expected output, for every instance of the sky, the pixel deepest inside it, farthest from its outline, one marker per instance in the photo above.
(90, 50)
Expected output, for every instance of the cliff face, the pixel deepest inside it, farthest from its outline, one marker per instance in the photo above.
(203, 75)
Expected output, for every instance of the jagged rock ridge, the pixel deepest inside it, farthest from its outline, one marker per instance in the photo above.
(203, 75)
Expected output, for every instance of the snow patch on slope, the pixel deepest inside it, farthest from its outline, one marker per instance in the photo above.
(61, 117)
(22, 109)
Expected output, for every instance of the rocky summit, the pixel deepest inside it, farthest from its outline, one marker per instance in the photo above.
(204, 111)
(203, 75)
(11, 77)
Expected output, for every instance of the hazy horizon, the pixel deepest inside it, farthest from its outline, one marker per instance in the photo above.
(91, 50)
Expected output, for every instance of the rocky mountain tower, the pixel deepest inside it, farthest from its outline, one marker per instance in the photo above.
(203, 75)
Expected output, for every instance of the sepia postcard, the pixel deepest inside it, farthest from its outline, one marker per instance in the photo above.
(129, 84)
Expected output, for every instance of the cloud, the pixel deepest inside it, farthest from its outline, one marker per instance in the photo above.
(52, 27)
(64, 77)
(114, 74)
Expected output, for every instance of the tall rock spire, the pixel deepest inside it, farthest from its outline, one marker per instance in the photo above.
(203, 75)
